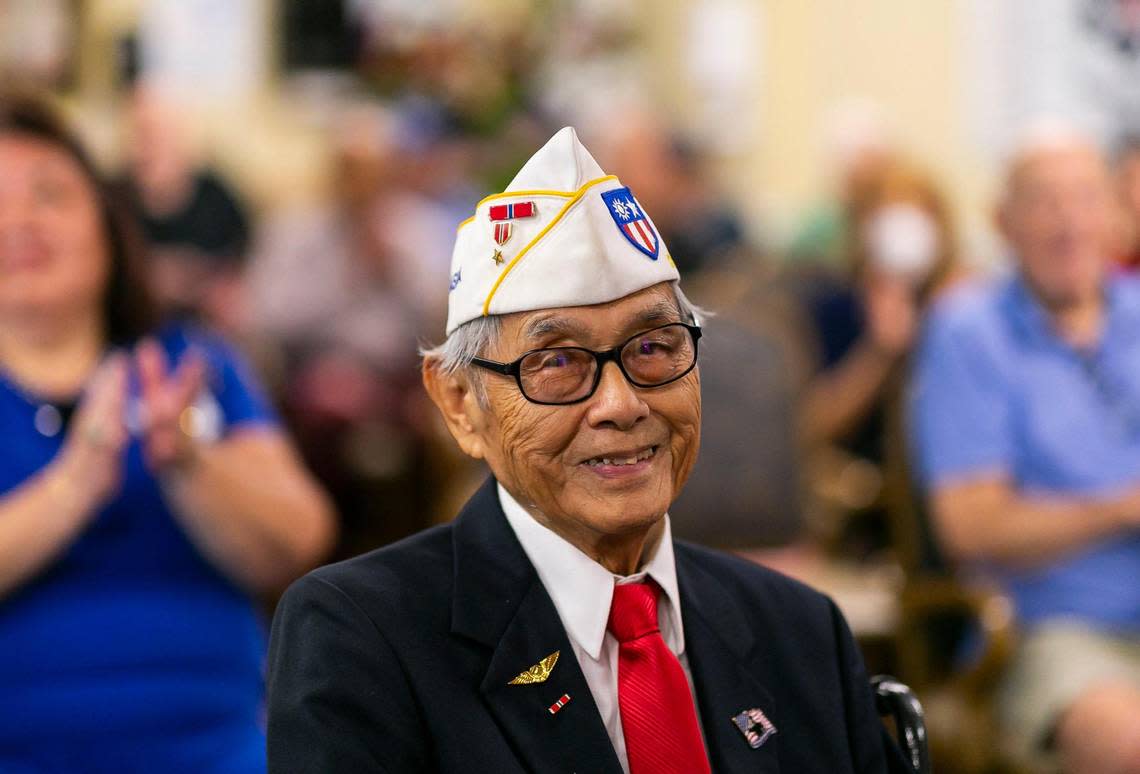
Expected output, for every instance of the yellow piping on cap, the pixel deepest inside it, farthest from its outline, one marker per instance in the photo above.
(541, 192)
(575, 196)
(534, 192)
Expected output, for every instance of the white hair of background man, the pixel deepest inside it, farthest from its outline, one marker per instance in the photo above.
(1042, 136)
(1047, 133)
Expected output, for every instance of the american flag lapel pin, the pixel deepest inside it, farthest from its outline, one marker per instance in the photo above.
(754, 726)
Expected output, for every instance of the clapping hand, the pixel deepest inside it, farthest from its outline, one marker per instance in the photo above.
(91, 459)
(167, 395)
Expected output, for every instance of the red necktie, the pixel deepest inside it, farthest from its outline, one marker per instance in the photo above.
(657, 713)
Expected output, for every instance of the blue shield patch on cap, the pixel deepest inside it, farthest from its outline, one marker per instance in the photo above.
(631, 221)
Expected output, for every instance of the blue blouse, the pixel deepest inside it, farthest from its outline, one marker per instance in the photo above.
(131, 652)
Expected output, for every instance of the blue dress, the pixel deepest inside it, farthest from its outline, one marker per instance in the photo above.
(131, 652)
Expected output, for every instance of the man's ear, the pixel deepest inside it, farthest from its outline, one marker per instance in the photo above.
(454, 396)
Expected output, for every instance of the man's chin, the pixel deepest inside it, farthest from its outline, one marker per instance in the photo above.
(618, 513)
(1065, 290)
(1067, 296)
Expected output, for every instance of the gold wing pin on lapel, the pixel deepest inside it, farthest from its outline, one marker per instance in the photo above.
(539, 672)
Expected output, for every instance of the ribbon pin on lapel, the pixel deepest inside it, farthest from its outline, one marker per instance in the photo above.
(537, 673)
(557, 706)
(755, 727)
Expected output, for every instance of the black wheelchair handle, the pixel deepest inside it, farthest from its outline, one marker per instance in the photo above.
(897, 700)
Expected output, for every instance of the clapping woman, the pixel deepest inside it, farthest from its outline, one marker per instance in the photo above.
(147, 496)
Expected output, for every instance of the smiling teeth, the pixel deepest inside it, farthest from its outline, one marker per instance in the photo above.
(624, 460)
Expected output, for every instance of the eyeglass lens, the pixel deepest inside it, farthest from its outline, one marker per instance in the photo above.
(567, 374)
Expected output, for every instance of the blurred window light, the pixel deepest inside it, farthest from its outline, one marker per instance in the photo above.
(204, 50)
(724, 61)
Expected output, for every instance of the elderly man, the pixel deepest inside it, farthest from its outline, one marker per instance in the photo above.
(555, 625)
(1026, 423)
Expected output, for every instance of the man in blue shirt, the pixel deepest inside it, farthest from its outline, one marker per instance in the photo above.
(1025, 425)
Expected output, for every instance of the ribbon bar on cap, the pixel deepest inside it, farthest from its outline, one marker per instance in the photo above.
(511, 211)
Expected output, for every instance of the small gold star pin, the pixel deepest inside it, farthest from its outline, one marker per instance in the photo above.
(498, 257)
(537, 673)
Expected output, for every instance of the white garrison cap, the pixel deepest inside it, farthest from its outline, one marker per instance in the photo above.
(564, 233)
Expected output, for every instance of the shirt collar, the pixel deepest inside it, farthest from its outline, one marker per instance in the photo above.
(1121, 313)
(1027, 312)
(582, 589)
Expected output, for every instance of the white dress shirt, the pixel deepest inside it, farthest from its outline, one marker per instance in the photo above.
(582, 591)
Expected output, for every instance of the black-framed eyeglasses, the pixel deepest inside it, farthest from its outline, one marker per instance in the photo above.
(558, 376)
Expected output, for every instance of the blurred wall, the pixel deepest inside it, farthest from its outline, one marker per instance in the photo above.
(912, 58)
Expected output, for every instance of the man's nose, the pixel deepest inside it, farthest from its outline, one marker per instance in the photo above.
(616, 402)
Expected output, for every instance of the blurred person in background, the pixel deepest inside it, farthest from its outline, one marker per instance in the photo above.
(750, 462)
(901, 253)
(343, 292)
(196, 228)
(147, 496)
(1025, 422)
(860, 148)
(701, 228)
(1127, 169)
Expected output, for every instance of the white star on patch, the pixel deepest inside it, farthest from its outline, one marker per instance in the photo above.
(621, 208)
(632, 208)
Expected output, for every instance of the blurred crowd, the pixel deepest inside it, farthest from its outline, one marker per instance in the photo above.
(872, 398)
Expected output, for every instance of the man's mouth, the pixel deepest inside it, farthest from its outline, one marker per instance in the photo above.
(619, 459)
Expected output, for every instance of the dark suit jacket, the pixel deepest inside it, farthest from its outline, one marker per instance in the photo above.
(399, 661)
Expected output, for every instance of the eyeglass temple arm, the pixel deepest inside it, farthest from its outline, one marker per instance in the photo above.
(507, 369)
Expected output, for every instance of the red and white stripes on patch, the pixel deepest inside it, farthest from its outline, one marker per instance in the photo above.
(640, 232)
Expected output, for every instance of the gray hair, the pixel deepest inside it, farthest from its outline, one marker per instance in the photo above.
(473, 338)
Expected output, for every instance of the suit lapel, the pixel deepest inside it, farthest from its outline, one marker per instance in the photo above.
(719, 642)
(573, 738)
(500, 602)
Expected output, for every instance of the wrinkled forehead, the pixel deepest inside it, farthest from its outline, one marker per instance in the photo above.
(655, 305)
